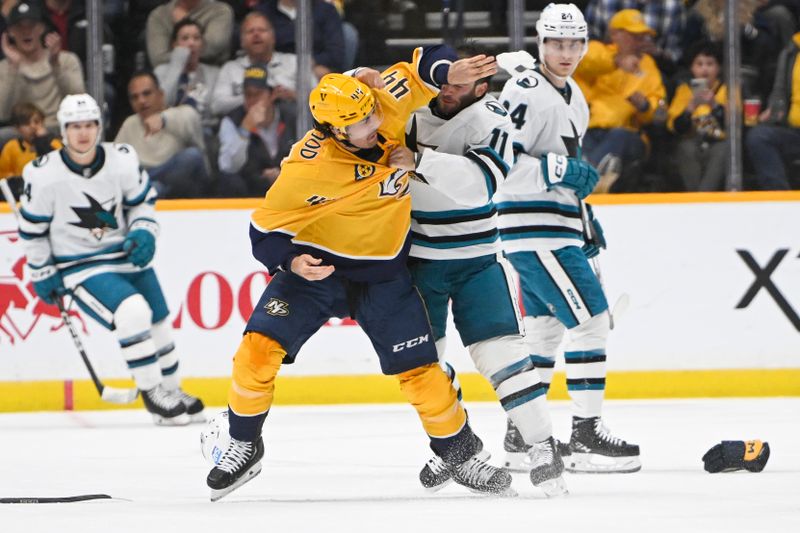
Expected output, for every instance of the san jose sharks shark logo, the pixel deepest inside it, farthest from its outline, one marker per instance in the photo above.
(95, 218)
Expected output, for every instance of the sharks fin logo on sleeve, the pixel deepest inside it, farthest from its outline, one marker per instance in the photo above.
(496, 108)
(96, 218)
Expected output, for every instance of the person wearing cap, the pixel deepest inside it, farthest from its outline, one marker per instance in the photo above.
(666, 17)
(253, 139)
(623, 86)
(35, 67)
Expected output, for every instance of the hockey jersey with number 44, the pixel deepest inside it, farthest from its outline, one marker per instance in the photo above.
(351, 209)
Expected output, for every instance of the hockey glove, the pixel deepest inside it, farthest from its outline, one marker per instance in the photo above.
(141, 246)
(732, 455)
(47, 283)
(563, 171)
(597, 241)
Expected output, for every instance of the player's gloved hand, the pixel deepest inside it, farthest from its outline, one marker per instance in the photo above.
(141, 246)
(731, 455)
(563, 171)
(47, 283)
(597, 241)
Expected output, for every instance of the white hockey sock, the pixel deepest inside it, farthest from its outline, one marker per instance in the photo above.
(132, 327)
(167, 355)
(585, 357)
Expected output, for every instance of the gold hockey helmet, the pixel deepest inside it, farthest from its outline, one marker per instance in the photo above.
(341, 101)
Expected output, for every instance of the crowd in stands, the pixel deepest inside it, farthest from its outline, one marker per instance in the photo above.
(205, 90)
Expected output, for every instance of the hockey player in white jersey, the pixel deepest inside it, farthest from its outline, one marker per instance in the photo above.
(541, 224)
(88, 227)
(463, 145)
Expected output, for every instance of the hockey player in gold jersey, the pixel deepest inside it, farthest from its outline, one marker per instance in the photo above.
(334, 232)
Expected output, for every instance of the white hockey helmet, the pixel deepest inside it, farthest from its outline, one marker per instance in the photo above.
(79, 108)
(215, 437)
(561, 21)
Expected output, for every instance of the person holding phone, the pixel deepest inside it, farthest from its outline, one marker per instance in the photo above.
(697, 116)
(35, 67)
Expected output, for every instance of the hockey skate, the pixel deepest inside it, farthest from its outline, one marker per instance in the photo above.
(435, 475)
(595, 450)
(547, 468)
(194, 405)
(518, 456)
(483, 478)
(166, 408)
(240, 463)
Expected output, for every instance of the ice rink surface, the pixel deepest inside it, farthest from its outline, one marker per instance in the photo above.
(354, 468)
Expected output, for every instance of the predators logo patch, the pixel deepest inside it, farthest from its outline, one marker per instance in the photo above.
(364, 171)
(277, 307)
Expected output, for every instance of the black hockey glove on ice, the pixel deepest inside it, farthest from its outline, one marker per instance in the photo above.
(732, 455)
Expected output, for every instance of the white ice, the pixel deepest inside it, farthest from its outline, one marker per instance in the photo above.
(354, 468)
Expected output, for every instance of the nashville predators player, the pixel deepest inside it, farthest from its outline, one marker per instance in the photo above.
(334, 232)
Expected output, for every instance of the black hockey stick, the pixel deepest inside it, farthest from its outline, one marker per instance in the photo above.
(57, 499)
(109, 394)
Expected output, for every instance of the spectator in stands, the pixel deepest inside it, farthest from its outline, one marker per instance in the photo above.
(169, 141)
(667, 18)
(253, 139)
(258, 45)
(32, 140)
(623, 88)
(327, 32)
(215, 19)
(350, 35)
(697, 115)
(759, 40)
(185, 80)
(69, 19)
(776, 140)
(35, 67)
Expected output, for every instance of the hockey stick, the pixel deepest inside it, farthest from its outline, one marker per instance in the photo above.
(109, 394)
(57, 499)
(622, 303)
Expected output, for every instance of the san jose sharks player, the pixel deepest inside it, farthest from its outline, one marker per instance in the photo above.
(543, 235)
(464, 137)
(88, 229)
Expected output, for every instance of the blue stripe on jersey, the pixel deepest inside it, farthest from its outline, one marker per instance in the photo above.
(108, 250)
(565, 210)
(454, 241)
(538, 232)
(454, 216)
(586, 384)
(138, 199)
(589, 356)
(490, 152)
(91, 264)
(511, 370)
(144, 361)
(491, 182)
(134, 339)
(543, 362)
(28, 236)
(36, 219)
(524, 396)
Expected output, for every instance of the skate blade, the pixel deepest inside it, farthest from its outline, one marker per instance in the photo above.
(437, 488)
(554, 488)
(197, 418)
(592, 463)
(517, 462)
(506, 493)
(180, 420)
(217, 494)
